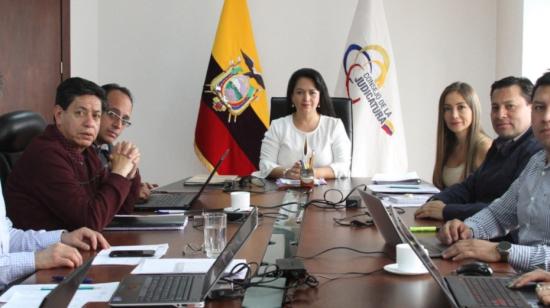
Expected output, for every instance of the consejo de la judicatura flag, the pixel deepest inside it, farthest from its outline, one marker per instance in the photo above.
(368, 78)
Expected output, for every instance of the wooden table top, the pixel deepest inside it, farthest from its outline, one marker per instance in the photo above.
(318, 231)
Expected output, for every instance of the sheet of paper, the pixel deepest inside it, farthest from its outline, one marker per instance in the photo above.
(103, 258)
(404, 188)
(31, 295)
(182, 265)
(395, 177)
(406, 200)
(27, 299)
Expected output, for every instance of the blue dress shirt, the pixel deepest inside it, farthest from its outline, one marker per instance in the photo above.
(524, 207)
(17, 247)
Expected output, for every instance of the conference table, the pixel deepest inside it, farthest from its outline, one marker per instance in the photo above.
(346, 278)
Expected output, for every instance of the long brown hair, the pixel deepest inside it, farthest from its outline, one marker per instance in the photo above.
(446, 139)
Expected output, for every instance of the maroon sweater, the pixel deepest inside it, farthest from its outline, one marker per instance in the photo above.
(54, 186)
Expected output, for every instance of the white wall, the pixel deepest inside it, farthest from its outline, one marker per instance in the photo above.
(160, 50)
(509, 38)
(84, 36)
(536, 60)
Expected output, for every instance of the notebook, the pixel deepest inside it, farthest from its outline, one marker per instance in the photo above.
(179, 201)
(180, 288)
(62, 295)
(388, 229)
(147, 222)
(470, 291)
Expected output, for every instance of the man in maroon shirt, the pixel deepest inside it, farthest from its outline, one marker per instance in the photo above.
(59, 181)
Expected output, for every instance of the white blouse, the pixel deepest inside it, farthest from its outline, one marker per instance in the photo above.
(283, 145)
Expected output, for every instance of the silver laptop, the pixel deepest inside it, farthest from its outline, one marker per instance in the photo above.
(181, 200)
(181, 289)
(388, 229)
(469, 291)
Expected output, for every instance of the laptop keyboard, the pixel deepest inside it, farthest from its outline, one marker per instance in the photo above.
(165, 288)
(493, 292)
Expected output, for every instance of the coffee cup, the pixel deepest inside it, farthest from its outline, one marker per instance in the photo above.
(407, 260)
(240, 200)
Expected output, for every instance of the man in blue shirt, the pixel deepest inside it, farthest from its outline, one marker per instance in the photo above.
(23, 252)
(524, 207)
(510, 152)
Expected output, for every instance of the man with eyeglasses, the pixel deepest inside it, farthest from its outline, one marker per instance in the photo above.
(59, 181)
(115, 118)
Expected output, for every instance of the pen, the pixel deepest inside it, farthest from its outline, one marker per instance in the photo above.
(405, 187)
(58, 278)
(79, 288)
(424, 229)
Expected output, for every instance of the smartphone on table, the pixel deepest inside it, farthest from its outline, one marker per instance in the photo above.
(131, 253)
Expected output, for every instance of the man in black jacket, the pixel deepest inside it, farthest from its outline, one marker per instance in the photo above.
(508, 155)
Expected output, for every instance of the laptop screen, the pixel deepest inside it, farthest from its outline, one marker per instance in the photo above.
(225, 257)
(218, 164)
(381, 219)
(422, 255)
(62, 295)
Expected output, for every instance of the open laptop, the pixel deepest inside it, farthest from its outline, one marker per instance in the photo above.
(62, 295)
(388, 229)
(178, 200)
(470, 291)
(181, 288)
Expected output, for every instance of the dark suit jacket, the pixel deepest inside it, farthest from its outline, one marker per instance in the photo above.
(501, 167)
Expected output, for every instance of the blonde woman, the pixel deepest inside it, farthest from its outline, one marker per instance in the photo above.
(461, 142)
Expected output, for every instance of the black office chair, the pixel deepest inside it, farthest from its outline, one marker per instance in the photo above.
(17, 129)
(4, 170)
(342, 108)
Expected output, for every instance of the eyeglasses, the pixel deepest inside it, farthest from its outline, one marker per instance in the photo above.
(116, 117)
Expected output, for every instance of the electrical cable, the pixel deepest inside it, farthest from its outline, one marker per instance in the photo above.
(340, 204)
(336, 248)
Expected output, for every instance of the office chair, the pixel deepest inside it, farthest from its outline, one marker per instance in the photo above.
(342, 108)
(4, 171)
(17, 129)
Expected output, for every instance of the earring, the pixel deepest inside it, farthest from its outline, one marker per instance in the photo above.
(319, 106)
(292, 106)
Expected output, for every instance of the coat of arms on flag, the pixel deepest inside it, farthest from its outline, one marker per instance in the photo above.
(233, 110)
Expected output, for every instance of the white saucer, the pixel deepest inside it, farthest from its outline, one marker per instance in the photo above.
(394, 269)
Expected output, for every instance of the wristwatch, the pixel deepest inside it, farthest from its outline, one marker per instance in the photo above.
(503, 249)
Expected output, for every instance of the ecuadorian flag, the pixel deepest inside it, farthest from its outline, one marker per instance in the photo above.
(233, 109)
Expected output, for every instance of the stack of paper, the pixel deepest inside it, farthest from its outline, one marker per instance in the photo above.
(404, 189)
(215, 180)
(408, 199)
(388, 178)
(147, 222)
(31, 295)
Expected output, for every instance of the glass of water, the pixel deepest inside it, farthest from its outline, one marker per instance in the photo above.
(215, 225)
